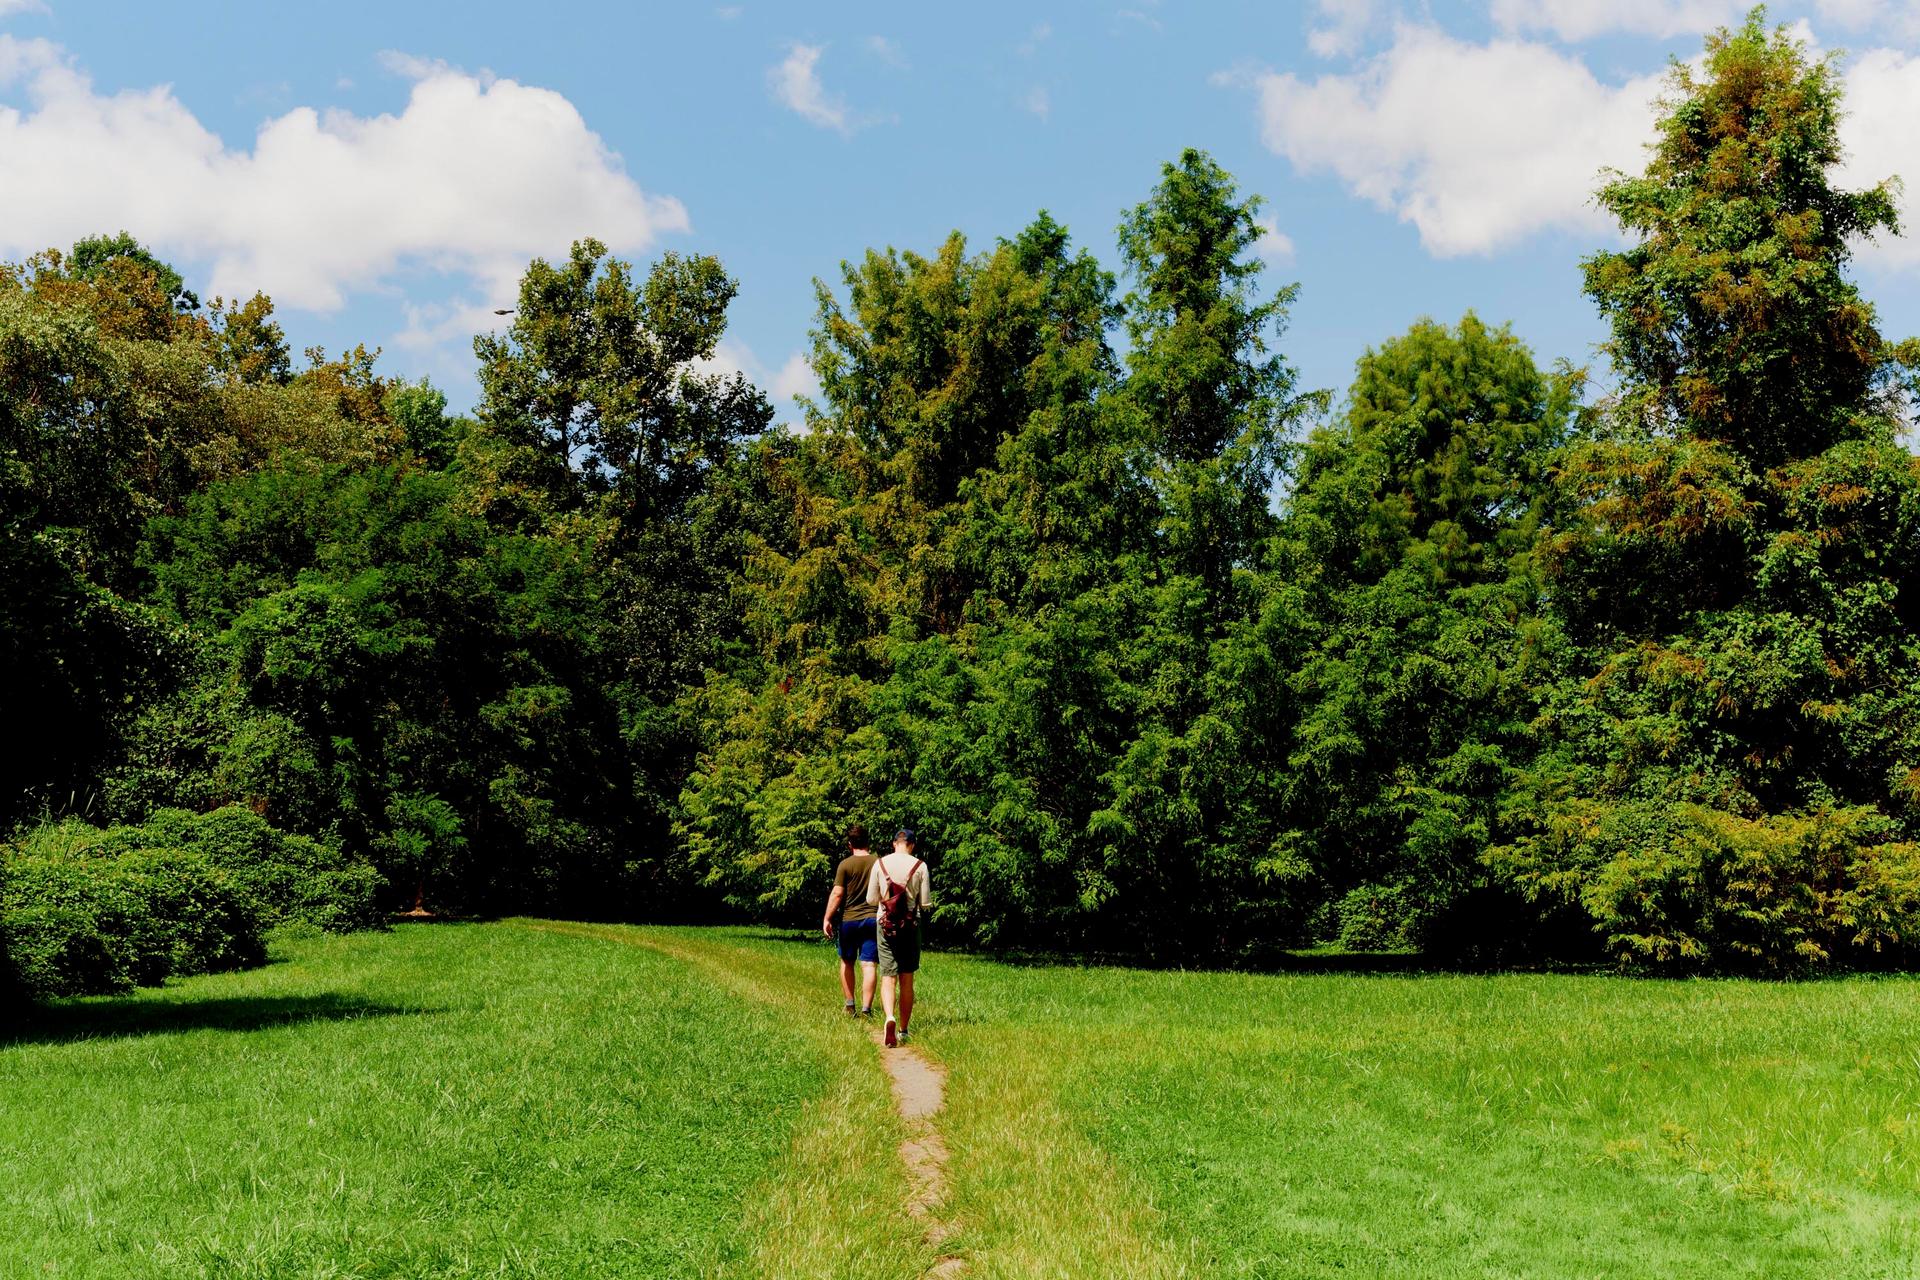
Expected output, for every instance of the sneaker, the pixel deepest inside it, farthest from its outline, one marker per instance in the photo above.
(892, 1034)
(903, 1035)
(867, 1012)
(849, 1008)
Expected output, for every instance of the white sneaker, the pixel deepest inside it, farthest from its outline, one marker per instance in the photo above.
(892, 1036)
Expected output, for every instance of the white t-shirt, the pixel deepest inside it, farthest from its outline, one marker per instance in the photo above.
(901, 868)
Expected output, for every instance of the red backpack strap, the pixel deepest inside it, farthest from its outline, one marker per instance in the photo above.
(906, 881)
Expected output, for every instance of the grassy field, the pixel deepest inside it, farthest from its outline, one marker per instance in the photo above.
(456, 1101)
(557, 1101)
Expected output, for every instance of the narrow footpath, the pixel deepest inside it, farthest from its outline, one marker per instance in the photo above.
(919, 1091)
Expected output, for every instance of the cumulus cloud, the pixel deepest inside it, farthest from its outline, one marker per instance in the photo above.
(795, 378)
(1881, 137)
(1038, 102)
(796, 86)
(1899, 18)
(8, 8)
(1475, 145)
(1585, 19)
(1480, 145)
(1274, 247)
(1342, 23)
(472, 178)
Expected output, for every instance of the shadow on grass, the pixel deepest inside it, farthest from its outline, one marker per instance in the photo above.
(152, 1013)
(1270, 960)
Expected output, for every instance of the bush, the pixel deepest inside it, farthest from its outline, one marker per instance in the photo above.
(91, 925)
(288, 879)
(1374, 917)
(1690, 888)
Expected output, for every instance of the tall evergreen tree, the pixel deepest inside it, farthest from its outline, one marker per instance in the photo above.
(1728, 764)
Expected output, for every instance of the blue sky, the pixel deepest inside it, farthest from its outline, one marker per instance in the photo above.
(384, 169)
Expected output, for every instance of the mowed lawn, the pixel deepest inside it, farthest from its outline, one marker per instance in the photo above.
(457, 1101)
(1454, 1126)
(518, 1099)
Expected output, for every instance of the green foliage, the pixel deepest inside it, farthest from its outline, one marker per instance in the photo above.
(1727, 742)
(1404, 623)
(88, 924)
(97, 255)
(1157, 650)
(285, 878)
(85, 910)
(1693, 888)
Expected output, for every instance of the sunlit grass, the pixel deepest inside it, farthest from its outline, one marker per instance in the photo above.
(1517, 1125)
(530, 1099)
(442, 1101)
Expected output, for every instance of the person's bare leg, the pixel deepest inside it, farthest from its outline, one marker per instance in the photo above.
(887, 986)
(846, 982)
(868, 971)
(906, 1000)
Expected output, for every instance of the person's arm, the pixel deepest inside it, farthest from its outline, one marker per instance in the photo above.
(833, 909)
(926, 887)
(873, 884)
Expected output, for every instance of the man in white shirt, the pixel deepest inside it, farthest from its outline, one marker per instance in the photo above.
(899, 889)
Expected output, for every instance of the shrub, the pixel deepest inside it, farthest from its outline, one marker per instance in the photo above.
(1374, 917)
(288, 879)
(1692, 888)
(93, 925)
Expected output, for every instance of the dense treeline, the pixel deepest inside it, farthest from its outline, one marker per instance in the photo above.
(1164, 653)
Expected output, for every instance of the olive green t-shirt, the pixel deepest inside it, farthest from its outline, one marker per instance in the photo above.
(851, 880)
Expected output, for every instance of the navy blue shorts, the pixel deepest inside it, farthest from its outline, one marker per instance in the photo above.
(858, 940)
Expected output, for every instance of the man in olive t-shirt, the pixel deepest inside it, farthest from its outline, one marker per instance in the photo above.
(852, 917)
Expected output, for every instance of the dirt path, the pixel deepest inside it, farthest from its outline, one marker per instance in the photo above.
(919, 1091)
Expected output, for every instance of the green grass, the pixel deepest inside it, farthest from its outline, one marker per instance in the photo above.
(1524, 1126)
(441, 1101)
(520, 1099)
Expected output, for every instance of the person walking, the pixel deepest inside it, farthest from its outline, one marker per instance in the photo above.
(899, 890)
(850, 916)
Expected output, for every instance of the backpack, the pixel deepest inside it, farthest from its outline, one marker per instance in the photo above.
(898, 911)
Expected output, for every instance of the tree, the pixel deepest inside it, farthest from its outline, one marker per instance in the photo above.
(1408, 656)
(602, 375)
(95, 256)
(1734, 572)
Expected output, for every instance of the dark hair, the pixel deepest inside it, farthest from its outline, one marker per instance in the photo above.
(857, 837)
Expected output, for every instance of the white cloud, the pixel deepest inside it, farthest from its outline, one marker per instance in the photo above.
(1343, 22)
(1479, 146)
(1899, 18)
(796, 86)
(888, 51)
(1475, 145)
(1274, 247)
(792, 379)
(1585, 19)
(795, 378)
(1880, 134)
(1035, 38)
(471, 179)
(8, 8)
(1038, 101)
